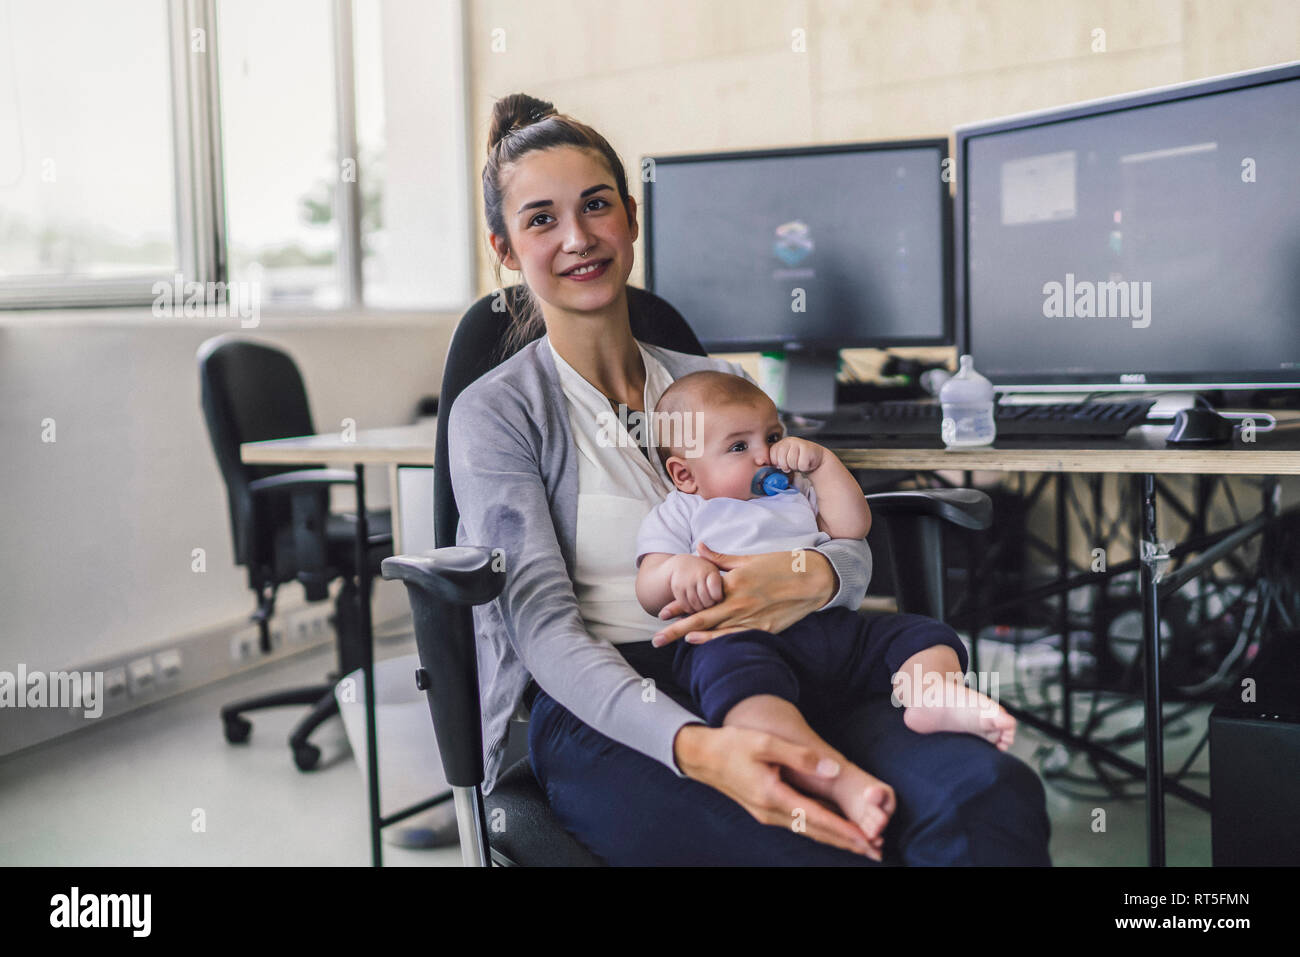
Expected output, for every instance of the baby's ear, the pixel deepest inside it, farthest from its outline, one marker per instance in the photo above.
(680, 474)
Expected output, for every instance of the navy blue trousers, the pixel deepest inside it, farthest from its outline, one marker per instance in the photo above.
(960, 799)
(828, 660)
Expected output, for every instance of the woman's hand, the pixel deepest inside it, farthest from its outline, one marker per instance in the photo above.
(746, 766)
(769, 592)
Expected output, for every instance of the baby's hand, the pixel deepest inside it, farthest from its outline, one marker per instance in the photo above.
(695, 582)
(797, 455)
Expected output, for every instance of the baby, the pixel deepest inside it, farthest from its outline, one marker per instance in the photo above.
(754, 679)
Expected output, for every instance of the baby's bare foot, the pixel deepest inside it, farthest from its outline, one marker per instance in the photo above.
(966, 710)
(861, 792)
(875, 845)
(865, 800)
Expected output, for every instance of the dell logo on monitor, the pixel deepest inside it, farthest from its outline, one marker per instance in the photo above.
(1133, 378)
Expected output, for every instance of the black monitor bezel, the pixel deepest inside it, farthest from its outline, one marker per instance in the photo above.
(1138, 379)
(946, 338)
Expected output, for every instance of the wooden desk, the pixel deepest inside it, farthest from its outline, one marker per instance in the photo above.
(398, 445)
(1142, 453)
(401, 445)
(1142, 450)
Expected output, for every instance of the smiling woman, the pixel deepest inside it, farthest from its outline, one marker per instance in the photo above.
(628, 764)
(608, 210)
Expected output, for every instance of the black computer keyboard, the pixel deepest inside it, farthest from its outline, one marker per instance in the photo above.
(923, 417)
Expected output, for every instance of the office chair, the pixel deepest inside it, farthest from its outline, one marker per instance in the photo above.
(280, 519)
(443, 585)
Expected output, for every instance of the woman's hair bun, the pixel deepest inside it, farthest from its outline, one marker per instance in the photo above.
(515, 112)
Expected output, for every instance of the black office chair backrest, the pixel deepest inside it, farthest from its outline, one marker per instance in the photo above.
(251, 392)
(476, 348)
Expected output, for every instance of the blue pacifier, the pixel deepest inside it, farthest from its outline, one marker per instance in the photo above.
(769, 480)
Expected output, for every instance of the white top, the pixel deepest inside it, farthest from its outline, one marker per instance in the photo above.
(618, 485)
(771, 523)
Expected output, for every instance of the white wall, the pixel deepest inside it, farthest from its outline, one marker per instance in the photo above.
(98, 526)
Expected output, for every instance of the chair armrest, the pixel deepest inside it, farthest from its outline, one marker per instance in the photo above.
(913, 527)
(965, 507)
(308, 492)
(460, 574)
(442, 585)
(379, 538)
(300, 479)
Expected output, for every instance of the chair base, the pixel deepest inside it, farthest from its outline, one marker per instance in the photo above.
(324, 706)
(306, 756)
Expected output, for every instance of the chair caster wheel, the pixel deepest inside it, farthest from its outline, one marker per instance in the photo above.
(237, 729)
(306, 756)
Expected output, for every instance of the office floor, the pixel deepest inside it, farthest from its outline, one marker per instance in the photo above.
(127, 792)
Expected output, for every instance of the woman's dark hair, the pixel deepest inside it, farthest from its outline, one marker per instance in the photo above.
(520, 125)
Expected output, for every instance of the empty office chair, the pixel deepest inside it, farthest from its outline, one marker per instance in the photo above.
(445, 583)
(280, 519)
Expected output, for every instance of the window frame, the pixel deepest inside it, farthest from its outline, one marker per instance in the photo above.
(199, 207)
(199, 186)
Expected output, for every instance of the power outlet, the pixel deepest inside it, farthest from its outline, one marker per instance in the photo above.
(140, 676)
(311, 624)
(115, 684)
(168, 663)
(243, 645)
(300, 628)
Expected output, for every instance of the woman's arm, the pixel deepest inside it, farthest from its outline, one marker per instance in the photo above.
(504, 505)
(773, 590)
(850, 562)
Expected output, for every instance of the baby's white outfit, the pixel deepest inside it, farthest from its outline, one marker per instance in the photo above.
(769, 523)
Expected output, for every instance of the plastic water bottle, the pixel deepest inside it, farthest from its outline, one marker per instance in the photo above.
(967, 400)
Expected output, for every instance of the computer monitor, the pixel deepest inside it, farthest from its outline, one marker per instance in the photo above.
(807, 251)
(1141, 242)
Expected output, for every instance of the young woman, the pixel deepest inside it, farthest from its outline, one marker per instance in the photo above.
(628, 768)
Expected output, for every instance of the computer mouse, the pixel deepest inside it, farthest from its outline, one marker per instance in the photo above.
(1200, 427)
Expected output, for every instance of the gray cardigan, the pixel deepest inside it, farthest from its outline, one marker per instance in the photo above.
(514, 471)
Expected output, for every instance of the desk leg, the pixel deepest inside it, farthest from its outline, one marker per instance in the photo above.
(1063, 608)
(972, 590)
(368, 663)
(1155, 754)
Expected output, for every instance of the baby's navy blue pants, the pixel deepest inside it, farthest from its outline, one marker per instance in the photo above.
(960, 799)
(827, 660)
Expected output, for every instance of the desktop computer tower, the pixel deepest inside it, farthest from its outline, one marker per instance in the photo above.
(1255, 763)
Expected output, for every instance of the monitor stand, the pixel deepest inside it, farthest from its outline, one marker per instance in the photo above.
(1169, 404)
(810, 382)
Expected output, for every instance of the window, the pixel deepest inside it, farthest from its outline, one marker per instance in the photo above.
(87, 161)
(317, 149)
(416, 232)
(279, 140)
